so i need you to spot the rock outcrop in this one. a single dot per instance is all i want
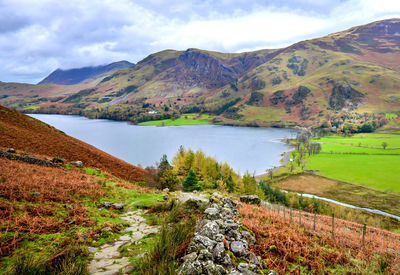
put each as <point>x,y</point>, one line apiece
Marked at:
<point>221,243</point>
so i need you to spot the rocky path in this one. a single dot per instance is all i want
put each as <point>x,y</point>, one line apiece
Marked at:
<point>107,259</point>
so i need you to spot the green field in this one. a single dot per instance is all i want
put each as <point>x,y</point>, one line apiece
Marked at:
<point>373,140</point>
<point>371,165</point>
<point>378,171</point>
<point>183,120</point>
<point>391,116</point>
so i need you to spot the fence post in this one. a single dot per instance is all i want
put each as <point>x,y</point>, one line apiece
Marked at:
<point>290,214</point>
<point>279,209</point>
<point>284,213</point>
<point>333,225</point>
<point>300,216</point>
<point>363,234</point>
<point>315,220</point>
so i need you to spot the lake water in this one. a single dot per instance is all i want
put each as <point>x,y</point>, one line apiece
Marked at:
<point>244,148</point>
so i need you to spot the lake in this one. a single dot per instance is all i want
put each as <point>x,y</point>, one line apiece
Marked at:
<point>244,148</point>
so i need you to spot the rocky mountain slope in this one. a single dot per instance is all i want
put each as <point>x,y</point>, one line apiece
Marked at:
<point>304,84</point>
<point>26,134</point>
<point>75,76</point>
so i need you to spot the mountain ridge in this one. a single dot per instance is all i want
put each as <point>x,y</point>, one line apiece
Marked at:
<point>356,70</point>
<point>77,75</point>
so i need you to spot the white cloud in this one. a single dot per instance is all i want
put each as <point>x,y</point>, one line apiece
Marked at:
<point>38,36</point>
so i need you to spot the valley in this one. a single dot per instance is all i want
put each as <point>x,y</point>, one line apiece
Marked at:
<point>306,84</point>
<point>142,168</point>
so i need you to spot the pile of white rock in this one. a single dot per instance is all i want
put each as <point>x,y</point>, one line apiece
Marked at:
<point>221,243</point>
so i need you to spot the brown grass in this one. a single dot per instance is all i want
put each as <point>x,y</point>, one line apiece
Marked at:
<point>24,212</point>
<point>316,251</point>
<point>28,134</point>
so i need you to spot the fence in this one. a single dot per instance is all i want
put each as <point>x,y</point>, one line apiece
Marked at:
<point>367,240</point>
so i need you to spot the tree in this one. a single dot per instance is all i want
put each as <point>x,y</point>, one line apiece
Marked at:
<point>169,180</point>
<point>230,184</point>
<point>384,144</point>
<point>250,184</point>
<point>163,166</point>
<point>190,183</point>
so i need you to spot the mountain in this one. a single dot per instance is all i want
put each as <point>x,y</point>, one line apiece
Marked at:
<point>75,76</point>
<point>356,71</point>
<point>27,134</point>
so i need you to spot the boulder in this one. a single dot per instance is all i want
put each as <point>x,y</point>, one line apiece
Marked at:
<point>190,268</point>
<point>238,248</point>
<point>210,229</point>
<point>219,252</point>
<point>212,213</point>
<point>207,242</point>
<point>118,206</point>
<point>77,163</point>
<point>106,204</point>
<point>250,199</point>
<point>11,151</point>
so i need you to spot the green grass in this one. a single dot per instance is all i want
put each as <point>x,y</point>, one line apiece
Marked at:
<point>373,140</point>
<point>391,116</point>
<point>378,171</point>
<point>341,148</point>
<point>183,120</point>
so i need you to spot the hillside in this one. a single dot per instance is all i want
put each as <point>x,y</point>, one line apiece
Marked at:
<point>26,134</point>
<point>75,76</point>
<point>308,83</point>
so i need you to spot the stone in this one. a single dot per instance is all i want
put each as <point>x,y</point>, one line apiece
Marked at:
<point>248,237</point>
<point>207,242</point>
<point>190,257</point>
<point>125,238</point>
<point>190,268</point>
<point>227,261</point>
<point>106,229</point>
<point>118,206</point>
<point>210,229</point>
<point>166,190</point>
<point>57,160</point>
<point>205,255</point>
<point>184,197</point>
<point>212,213</point>
<point>233,235</point>
<point>220,269</point>
<point>272,272</point>
<point>11,151</point>
<point>250,199</point>
<point>238,248</point>
<point>209,268</point>
<point>77,163</point>
<point>230,225</point>
<point>219,252</point>
<point>92,249</point>
<point>36,194</point>
<point>106,204</point>
<point>219,237</point>
<point>242,267</point>
<point>227,212</point>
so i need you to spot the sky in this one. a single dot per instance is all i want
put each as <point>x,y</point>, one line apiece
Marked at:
<point>39,36</point>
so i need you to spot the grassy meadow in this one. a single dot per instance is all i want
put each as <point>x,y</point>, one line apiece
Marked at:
<point>183,120</point>
<point>360,159</point>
